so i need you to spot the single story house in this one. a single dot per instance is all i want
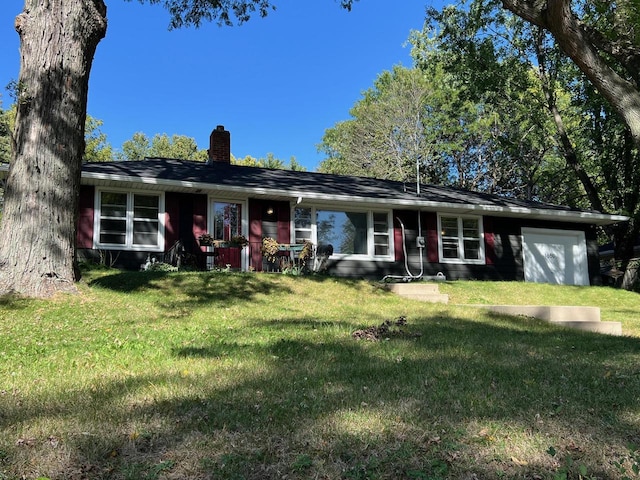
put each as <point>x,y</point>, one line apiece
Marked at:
<point>360,227</point>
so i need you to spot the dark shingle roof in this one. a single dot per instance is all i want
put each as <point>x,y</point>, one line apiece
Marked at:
<point>171,174</point>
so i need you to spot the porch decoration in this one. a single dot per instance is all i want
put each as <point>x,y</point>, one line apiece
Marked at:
<point>270,249</point>
<point>205,240</point>
<point>306,253</point>
<point>238,241</point>
<point>273,251</point>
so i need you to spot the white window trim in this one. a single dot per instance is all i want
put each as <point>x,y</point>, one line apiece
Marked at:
<point>390,257</point>
<point>128,245</point>
<point>461,259</point>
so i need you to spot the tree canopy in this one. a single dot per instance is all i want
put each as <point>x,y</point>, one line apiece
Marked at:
<point>181,147</point>
<point>270,161</point>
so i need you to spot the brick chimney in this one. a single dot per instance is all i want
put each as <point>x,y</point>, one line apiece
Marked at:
<point>220,145</point>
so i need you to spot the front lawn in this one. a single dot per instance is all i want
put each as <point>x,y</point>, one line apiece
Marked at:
<point>149,375</point>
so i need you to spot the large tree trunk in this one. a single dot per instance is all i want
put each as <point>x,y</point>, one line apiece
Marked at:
<point>58,41</point>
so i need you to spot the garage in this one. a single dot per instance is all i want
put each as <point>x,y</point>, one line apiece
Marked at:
<point>555,256</point>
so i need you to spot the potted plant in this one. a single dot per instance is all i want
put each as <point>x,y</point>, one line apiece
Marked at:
<point>205,240</point>
<point>270,249</point>
<point>239,241</point>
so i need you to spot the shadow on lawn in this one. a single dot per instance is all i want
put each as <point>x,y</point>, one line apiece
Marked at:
<point>199,288</point>
<point>13,302</point>
<point>403,408</point>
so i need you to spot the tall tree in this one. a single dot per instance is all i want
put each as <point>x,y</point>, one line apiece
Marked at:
<point>487,53</point>
<point>391,132</point>
<point>436,121</point>
<point>58,41</point>
<point>57,44</point>
<point>97,148</point>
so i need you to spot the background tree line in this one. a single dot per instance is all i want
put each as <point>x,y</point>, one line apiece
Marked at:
<point>139,146</point>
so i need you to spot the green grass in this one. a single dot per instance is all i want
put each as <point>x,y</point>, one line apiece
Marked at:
<point>254,376</point>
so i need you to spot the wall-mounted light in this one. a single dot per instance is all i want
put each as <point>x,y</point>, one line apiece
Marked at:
<point>269,210</point>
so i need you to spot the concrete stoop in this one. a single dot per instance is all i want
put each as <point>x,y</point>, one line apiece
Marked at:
<point>580,318</point>
<point>423,291</point>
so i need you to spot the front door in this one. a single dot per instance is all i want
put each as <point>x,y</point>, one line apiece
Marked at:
<point>226,224</point>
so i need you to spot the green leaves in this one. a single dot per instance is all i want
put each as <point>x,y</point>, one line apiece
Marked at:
<point>181,147</point>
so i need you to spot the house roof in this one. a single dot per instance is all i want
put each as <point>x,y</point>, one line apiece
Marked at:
<point>240,182</point>
<point>234,181</point>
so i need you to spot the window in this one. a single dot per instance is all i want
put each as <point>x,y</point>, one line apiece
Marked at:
<point>348,232</point>
<point>227,220</point>
<point>381,233</point>
<point>461,239</point>
<point>129,220</point>
<point>302,225</point>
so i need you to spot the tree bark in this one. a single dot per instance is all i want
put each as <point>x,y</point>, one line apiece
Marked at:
<point>58,40</point>
<point>556,17</point>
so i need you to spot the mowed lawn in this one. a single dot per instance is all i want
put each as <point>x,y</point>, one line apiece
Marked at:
<point>258,376</point>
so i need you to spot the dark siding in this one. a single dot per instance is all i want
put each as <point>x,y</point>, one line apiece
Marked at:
<point>171,219</point>
<point>489,241</point>
<point>503,250</point>
<point>284,222</point>
<point>595,275</point>
<point>185,220</point>
<point>431,220</point>
<point>398,253</point>
<point>84,234</point>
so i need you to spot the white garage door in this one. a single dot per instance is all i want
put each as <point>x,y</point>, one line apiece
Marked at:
<point>555,256</point>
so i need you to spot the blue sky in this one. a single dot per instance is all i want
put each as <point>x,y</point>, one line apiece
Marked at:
<point>276,83</point>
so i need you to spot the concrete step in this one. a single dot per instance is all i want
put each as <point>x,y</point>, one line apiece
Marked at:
<point>580,318</point>
<point>550,313</point>
<point>422,291</point>
<point>413,287</point>
<point>427,297</point>
<point>609,328</point>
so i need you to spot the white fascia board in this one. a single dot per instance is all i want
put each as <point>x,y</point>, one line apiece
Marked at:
<point>447,207</point>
